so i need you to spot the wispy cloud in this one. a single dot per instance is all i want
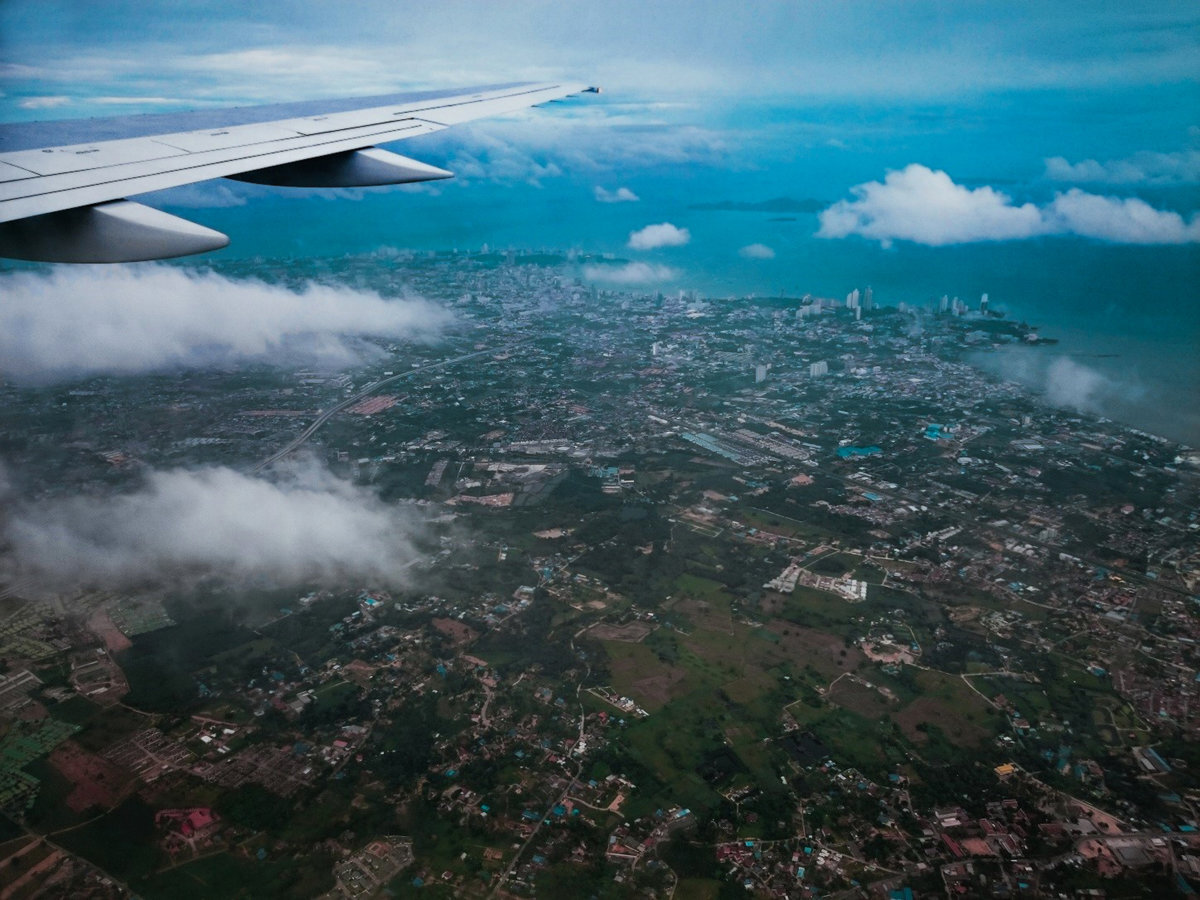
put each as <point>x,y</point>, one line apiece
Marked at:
<point>1068,383</point>
<point>620,195</point>
<point>630,273</point>
<point>588,138</point>
<point>142,101</point>
<point>44,102</point>
<point>1182,167</point>
<point>203,195</point>
<point>756,251</point>
<point>662,235</point>
<point>925,206</point>
<point>302,525</point>
<point>127,319</point>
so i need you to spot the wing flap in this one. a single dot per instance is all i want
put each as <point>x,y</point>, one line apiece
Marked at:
<point>225,138</point>
<point>85,157</point>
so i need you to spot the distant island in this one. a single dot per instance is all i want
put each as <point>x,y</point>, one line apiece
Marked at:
<point>775,205</point>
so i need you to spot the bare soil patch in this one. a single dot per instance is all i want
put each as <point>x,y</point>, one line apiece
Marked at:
<point>631,633</point>
<point>827,653</point>
<point>859,698</point>
<point>656,690</point>
<point>101,625</point>
<point>97,782</point>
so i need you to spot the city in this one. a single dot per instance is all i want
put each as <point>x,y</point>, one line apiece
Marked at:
<point>684,597</point>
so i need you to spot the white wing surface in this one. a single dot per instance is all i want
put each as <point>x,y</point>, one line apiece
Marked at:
<point>66,202</point>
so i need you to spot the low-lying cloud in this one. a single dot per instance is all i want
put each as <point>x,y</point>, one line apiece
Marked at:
<point>662,235</point>
<point>925,206</point>
<point>630,273</point>
<point>1066,382</point>
<point>756,251</point>
<point>302,526</point>
<point>85,320</point>
<point>620,195</point>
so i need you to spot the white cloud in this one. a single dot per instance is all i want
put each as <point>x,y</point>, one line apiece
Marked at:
<point>921,205</point>
<point>124,319</point>
<point>620,195</point>
<point>631,273</point>
<point>1127,221</point>
<point>662,235</point>
<point>757,251</point>
<point>1140,168</point>
<point>301,526</point>
<point>47,102</point>
<point>925,206</point>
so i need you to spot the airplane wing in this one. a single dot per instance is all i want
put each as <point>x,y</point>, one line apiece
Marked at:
<point>63,184</point>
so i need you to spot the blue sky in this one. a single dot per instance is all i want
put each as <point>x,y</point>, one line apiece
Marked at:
<point>1046,152</point>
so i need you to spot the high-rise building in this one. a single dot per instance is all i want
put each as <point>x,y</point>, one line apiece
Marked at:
<point>983,304</point>
<point>944,304</point>
<point>815,370</point>
<point>852,299</point>
<point>760,374</point>
<point>868,302</point>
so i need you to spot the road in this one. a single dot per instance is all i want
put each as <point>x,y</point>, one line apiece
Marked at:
<point>562,798</point>
<point>370,389</point>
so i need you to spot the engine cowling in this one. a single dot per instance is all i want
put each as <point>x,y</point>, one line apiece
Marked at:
<point>117,231</point>
<point>353,168</point>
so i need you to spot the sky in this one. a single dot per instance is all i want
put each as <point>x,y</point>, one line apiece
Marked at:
<point>1045,153</point>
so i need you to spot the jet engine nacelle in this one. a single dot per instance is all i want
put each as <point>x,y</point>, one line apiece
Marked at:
<point>117,231</point>
<point>353,168</point>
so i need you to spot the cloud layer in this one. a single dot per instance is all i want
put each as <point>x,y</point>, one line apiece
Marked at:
<point>244,52</point>
<point>662,235</point>
<point>631,273</point>
<point>925,206</point>
<point>85,320</point>
<point>304,526</point>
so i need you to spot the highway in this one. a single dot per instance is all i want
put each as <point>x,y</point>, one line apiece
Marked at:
<point>370,389</point>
